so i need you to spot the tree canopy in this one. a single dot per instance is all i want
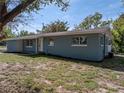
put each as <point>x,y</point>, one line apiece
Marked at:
<point>57,26</point>
<point>118,34</point>
<point>9,9</point>
<point>94,21</point>
<point>24,33</point>
<point>7,33</point>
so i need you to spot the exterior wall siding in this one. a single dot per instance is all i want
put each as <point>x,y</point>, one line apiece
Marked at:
<point>105,51</point>
<point>106,45</point>
<point>14,46</point>
<point>63,47</point>
<point>29,49</point>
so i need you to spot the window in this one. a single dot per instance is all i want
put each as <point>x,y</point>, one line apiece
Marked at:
<point>79,41</point>
<point>51,42</point>
<point>29,43</point>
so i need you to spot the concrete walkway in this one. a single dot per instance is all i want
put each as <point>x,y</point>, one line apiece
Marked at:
<point>119,55</point>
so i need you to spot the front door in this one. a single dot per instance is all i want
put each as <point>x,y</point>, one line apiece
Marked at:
<point>40,45</point>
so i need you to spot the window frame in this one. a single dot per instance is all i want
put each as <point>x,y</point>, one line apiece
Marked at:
<point>29,43</point>
<point>51,42</point>
<point>79,42</point>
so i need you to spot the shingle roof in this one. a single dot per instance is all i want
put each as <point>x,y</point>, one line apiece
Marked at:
<point>67,33</point>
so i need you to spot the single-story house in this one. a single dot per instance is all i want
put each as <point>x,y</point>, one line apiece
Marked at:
<point>93,44</point>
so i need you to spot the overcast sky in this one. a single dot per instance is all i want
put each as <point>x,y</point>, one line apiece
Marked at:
<point>77,11</point>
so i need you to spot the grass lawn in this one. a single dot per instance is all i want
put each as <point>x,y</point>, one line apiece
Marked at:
<point>48,74</point>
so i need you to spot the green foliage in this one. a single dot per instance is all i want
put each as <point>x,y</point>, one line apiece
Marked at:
<point>90,84</point>
<point>8,33</point>
<point>122,83</point>
<point>118,34</point>
<point>115,41</point>
<point>34,7</point>
<point>42,3</point>
<point>57,26</point>
<point>47,74</point>
<point>38,4</point>
<point>94,21</point>
<point>112,90</point>
<point>24,33</point>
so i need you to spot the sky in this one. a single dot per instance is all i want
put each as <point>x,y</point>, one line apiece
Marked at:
<point>76,12</point>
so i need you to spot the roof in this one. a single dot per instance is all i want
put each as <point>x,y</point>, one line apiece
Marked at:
<point>67,33</point>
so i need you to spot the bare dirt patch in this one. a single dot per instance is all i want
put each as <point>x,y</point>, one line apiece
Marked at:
<point>44,74</point>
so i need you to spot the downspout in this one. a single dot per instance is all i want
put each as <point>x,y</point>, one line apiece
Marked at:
<point>36,46</point>
<point>22,46</point>
<point>104,47</point>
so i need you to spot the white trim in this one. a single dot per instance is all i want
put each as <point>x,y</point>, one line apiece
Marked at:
<point>109,48</point>
<point>41,44</point>
<point>101,36</point>
<point>29,46</point>
<point>51,43</point>
<point>79,45</point>
<point>29,43</point>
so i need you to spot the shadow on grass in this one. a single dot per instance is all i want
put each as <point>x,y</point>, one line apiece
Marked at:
<point>116,63</point>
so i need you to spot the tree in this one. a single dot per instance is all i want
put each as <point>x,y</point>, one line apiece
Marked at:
<point>24,33</point>
<point>10,9</point>
<point>57,26</point>
<point>7,33</point>
<point>118,34</point>
<point>31,33</point>
<point>94,21</point>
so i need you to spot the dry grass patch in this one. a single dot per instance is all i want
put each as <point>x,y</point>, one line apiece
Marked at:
<point>48,74</point>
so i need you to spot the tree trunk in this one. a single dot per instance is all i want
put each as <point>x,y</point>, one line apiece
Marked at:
<point>3,12</point>
<point>17,10</point>
<point>1,27</point>
<point>7,17</point>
